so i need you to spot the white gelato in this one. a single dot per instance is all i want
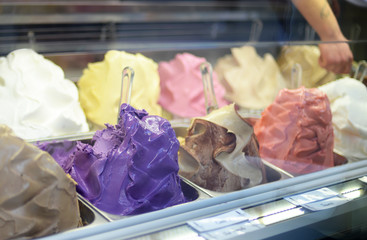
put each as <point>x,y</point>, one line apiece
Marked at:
<point>348,101</point>
<point>36,100</point>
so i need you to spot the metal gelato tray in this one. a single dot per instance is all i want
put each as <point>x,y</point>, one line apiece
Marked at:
<point>272,172</point>
<point>90,214</point>
<point>190,192</point>
<point>87,136</point>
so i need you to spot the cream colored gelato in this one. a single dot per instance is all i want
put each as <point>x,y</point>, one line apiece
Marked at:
<point>100,86</point>
<point>348,100</point>
<point>308,58</point>
<point>36,100</point>
<point>251,81</point>
<point>36,197</point>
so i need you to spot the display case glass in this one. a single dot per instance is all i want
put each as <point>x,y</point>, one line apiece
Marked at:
<point>267,143</point>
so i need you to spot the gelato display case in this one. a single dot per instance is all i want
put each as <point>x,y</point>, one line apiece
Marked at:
<point>180,120</point>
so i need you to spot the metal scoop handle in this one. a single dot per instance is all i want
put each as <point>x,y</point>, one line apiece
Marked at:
<point>256,29</point>
<point>362,67</point>
<point>296,76</point>
<point>126,87</point>
<point>207,77</point>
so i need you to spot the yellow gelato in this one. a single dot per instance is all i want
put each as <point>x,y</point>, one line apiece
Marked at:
<point>308,57</point>
<point>100,86</point>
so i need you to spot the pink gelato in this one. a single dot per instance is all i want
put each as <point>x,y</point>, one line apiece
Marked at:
<point>182,87</point>
<point>295,132</point>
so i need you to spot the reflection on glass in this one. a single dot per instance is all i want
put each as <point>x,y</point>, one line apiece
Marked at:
<point>352,193</point>
<point>278,217</point>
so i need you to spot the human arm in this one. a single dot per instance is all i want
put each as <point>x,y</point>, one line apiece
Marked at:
<point>336,57</point>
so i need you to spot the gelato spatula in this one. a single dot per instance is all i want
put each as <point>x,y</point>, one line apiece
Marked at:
<point>207,77</point>
<point>126,87</point>
<point>361,71</point>
<point>296,76</point>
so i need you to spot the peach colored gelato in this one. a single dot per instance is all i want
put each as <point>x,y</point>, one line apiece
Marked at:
<point>295,132</point>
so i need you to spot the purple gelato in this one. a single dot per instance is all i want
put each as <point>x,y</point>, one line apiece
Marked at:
<point>131,168</point>
<point>60,151</point>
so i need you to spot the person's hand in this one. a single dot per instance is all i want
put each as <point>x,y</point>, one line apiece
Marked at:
<point>335,54</point>
<point>336,57</point>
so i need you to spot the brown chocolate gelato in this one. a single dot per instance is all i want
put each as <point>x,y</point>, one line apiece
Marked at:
<point>220,152</point>
<point>37,198</point>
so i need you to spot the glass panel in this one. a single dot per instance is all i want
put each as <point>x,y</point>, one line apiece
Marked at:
<point>257,50</point>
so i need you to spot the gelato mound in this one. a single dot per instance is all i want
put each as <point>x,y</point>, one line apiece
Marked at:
<point>220,152</point>
<point>295,132</point>
<point>37,198</point>
<point>131,167</point>
<point>252,82</point>
<point>308,57</point>
<point>180,94</point>
<point>36,100</point>
<point>348,98</point>
<point>100,86</point>
<point>60,151</point>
